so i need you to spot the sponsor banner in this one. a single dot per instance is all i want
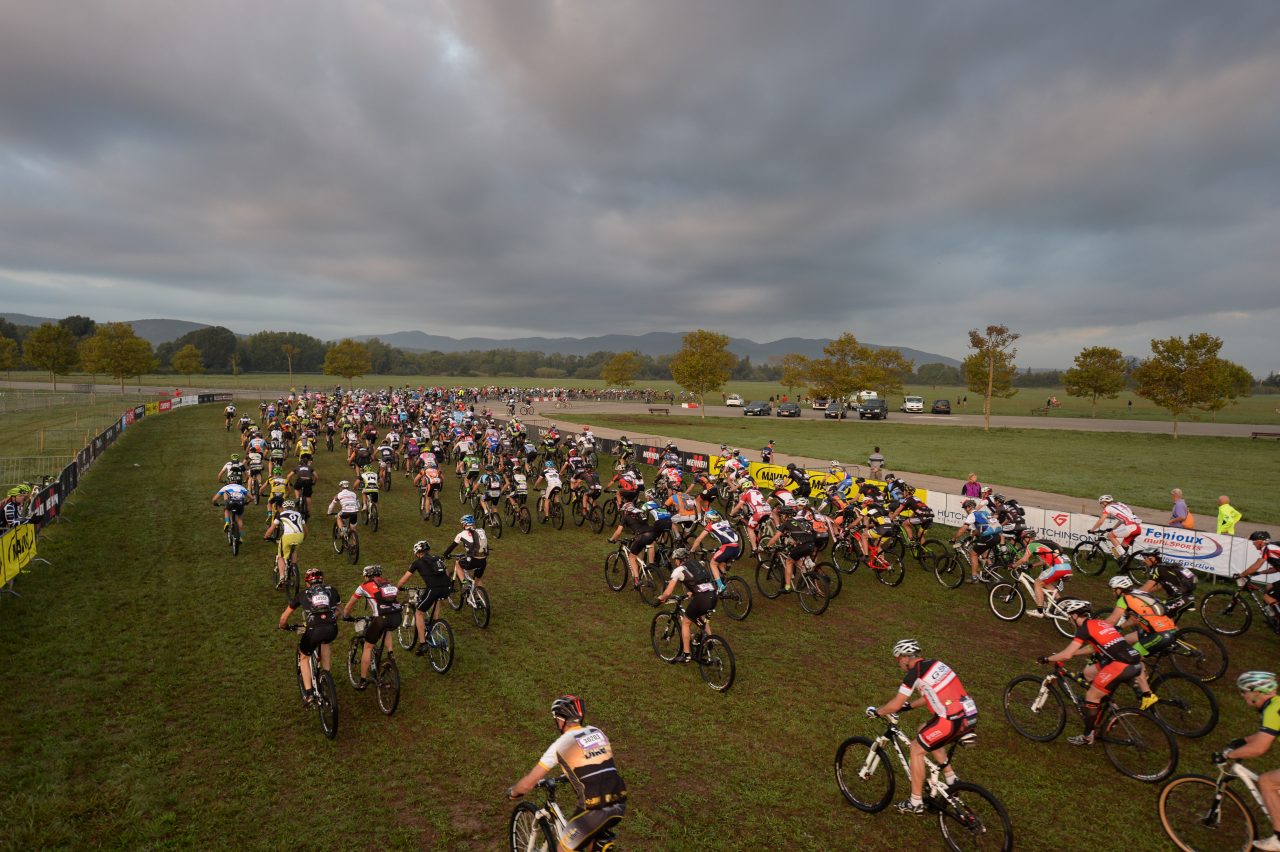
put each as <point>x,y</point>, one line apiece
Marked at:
<point>164,405</point>
<point>1201,551</point>
<point>69,479</point>
<point>44,507</point>
<point>213,397</point>
<point>152,408</point>
<point>129,416</point>
<point>697,462</point>
<point>139,412</point>
<point>650,455</point>
<point>17,549</point>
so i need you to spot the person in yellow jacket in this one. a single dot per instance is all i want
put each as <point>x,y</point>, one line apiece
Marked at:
<point>1228,516</point>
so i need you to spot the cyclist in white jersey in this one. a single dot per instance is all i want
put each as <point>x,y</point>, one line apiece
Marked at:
<point>1125,525</point>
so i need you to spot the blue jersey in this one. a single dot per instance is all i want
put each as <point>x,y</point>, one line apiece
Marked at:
<point>982,524</point>
<point>234,493</point>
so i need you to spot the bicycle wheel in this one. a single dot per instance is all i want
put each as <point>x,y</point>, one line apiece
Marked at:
<point>234,535</point>
<point>664,634</point>
<point>528,833</point>
<point>610,511</point>
<point>949,571</point>
<point>353,661</point>
<point>596,520</point>
<point>1034,710</point>
<point>353,547</point>
<point>1060,620</point>
<point>407,632</point>
<point>388,681</point>
<point>1195,818</point>
<point>1006,602</point>
<point>769,577</point>
<point>338,543</point>
<point>455,595</point>
<point>715,663</point>
<point>292,580</point>
<point>864,774</point>
<point>440,646</point>
<point>970,817</point>
<point>1139,746</point>
<point>328,700</point>
<point>1090,557</point>
<point>1186,705</point>
<point>493,523</point>
<point>615,571</point>
<point>373,517</point>
<point>1198,653</point>
<point>557,515</point>
<point>650,585</point>
<point>814,593</point>
<point>523,520</point>
<point>437,512</point>
<point>834,583</point>
<point>1225,612</point>
<point>931,553</point>
<point>480,608</point>
<point>736,598</point>
<point>576,511</point>
<point>892,572</point>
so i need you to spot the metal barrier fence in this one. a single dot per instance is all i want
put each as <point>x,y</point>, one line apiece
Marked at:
<point>13,401</point>
<point>15,470</point>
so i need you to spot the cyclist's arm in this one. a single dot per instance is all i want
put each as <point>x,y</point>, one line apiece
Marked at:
<point>960,533</point>
<point>408,575</point>
<point>1075,647</point>
<point>1255,567</point>
<point>697,541</point>
<point>527,783</point>
<point>1117,616</point>
<point>1255,745</point>
<point>284,616</point>
<point>671,587</point>
<point>895,704</point>
<point>346,610</point>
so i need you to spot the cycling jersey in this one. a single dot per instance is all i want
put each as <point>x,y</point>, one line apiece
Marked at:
<point>1148,611</point>
<point>1106,641</point>
<point>553,480</point>
<point>1122,514</point>
<point>694,576</point>
<point>940,688</point>
<point>491,484</point>
<point>234,494</point>
<point>278,485</point>
<point>347,501</point>
<point>369,483</point>
<point>433,571</point>
<point>291,522</point>
<point>474,542</point>
<point>585,756</point>
<point>380,595</point>
<point>519,483</point>
<point>1270,713</point>
<point>255,462</point>
<point>1271,553</point>
<point>982,524</point>
<point>798,530</point>
<point>1175,579</point>
<point>317,603</point>
<point>233,471</point>
<point>304,474</point>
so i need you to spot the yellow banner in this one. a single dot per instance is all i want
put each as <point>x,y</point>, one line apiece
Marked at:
<point>17,548</point>
<point>770,475</point>
<point>153,408</point>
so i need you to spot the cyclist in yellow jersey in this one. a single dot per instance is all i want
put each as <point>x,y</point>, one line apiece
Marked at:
<point>276,485</point>
<point>304,447</point>
<point>1258,689</point>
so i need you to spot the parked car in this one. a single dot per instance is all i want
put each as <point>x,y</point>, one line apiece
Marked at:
<point>821,403</point>
<point>836,410</point>
<point>941,406</point>
<point>734,401</point>
<point>788,409</point>
<point>873,409</point>
<point>912,404</point>
<point>757,409</point>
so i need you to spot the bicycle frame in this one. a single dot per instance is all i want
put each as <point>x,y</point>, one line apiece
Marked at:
<point>1248,777</point>
<point>894,737</point>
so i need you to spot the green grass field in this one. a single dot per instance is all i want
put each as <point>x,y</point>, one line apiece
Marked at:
<point>1140,468</point>
<point>151,703</point>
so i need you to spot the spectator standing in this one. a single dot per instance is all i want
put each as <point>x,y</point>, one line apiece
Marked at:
<point>766,453</point>
<point>876,462</point>
<point>972,487</point>
<point>1179,516</point>
<point>1228,516</point>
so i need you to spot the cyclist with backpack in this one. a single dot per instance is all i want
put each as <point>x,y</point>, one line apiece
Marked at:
<point>699,583</point>
<point>380,596</point>
<point>985,531</point>
<point>435,574</point>
<point>317,602</point>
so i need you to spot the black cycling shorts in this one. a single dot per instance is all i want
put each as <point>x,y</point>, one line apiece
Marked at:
<point>235,508</point>
<point>802,549</point>
<point>425,601</point>
<point>304,488</point>
<point>380,624</point>
<point>474,564</point>
<point>982,545</point>
<point>642,541</point>
<point>317,633</point>
<point>699,605</point>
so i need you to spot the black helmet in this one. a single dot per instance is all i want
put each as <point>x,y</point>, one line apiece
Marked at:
<point>571,708</point>
<point>1259,535</point>
<point>997,498</point>
<point>791,466</point>
<point>968,504</point>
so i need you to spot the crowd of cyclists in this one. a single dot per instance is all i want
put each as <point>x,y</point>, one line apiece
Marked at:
<point>784,525</point>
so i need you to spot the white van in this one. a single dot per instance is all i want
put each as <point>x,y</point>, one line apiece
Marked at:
<point>913,405</point>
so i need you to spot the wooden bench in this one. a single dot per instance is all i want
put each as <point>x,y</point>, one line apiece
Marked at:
<point>1265,435</point>
<point>1043,411</point>
<point>659,410</point>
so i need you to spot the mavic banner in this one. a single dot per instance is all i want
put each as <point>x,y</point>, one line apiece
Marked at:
<point>17,549</point>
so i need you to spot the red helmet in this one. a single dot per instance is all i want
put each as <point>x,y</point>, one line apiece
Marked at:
<point>314,575</point>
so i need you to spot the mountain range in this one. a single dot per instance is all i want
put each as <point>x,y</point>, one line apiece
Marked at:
<point>157,331</point>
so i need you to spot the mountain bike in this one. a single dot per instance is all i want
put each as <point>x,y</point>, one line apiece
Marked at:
<point>735,597</point>
<point>385,673</point>
<point>1187,707</point>
<point>475,598</point>
<point>1199,812</point>
<point>517,516</point>
<point>324,696</point>
<point>384,475</point>
<point>711,652</point>
<point>233,535</point>
<point>537,827</point>
<point>1228,612</point>
<point>969,816</point>
<point>1194,652</point>
<point>371,515</point>
<point>555,513</point>
<point>491,519</point>
<point>435,514</point>
<point>346,539</point>
<point>292,576</point>
<point>617,569</point>
<point>1096,554</point>
<point>527,409</point>
<point>927,552</point>
<point>439,642</point>
<point>887,567</point>
<point>811,581</point>
<point>1138,744</point>
<point>1008,601</point>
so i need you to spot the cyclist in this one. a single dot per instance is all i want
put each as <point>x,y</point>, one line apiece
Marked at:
<point>876,522</point>
<point>491,485</point>
<point>275,488</point>
<point>730,545</point>
<point>228,413</point>
<point>1155,630</point>
<point>632,518</point>
<point>918,517</point>
<point>800,477</point>
<point>381,599</point>
<point>1267,564</point>
<point>584,755</point>
<point>1119,662</point>
<point>234,497</point>
<point>368,487</point>
<point>518,488</point>
<point>954,715</point>
<point>429,481</point>
<point>232,470</point>
<point>475,551</point>
<point>986,532</point>
<point>626,450</point>
<point>317,602</point>
<point>1177,581</point>
<point>708,492</point>
<point>435,574</point>
<point>293,530</point>
<point>304,481</point>
<point>628,484</point>
<point>1055,567</point>
<point>1258,690</point>
<point>800,537</point>
<point>697,581</point>
<point>1125,526</point>
<point>346,504</point>
<point>684,511</point>
<point>254,462</point>
<point>551,477</point>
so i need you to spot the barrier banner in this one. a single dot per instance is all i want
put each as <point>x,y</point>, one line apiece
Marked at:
<point>697,462</point>
<point>650,455</point>
<point>17,549</point>
<point>139,412</point>
<point>164,405</point>
<point>69,479</point>
<point>152,408</point>
<point>129,416</point>
<point>44,507</point>
<point>213,397</point>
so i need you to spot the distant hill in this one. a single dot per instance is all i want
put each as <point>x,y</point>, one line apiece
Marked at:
<point>654,343</point>
<point>154,331</point>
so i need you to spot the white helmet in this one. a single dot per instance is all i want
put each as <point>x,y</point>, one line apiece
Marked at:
<point>344,484</point>
<point>1121,581</point>
<point>1256,681</point>
<point>907,648</point>
<point>1106,498</point>
<point>1075,606</point>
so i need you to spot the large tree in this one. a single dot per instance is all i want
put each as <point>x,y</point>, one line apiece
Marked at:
<point>621,369</point>
<point>348,358</point>
<point>188,361</point>
<point>703,364</point>
<point>795,372</point>
<point>8,354</point>
<point>937,373</point>
<point>989,369</point>
<point>852,366</point>
<point>121,352</point>
<point>1183,375</point>
<point>82,327</point>
<point>51,347</point>
<point>1099,371</point>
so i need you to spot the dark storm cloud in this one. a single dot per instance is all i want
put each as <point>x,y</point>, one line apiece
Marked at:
<point>1083,171</point>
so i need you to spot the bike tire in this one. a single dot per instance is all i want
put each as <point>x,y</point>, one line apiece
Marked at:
<point>557,515</point>
<point>715,663</point>
<point>610,512</point>
<point>437,512</point>
<point>949,572</point>
<point>815,598</point>
<point>481,609</point>
<point>455,595</point>
<point>873,793</point>
<point>524,520</point>
<point>596,519</point>
<point>834,582</point>
<point>388,685</point>
<point>1198,653</point>
<point>575,509</point>
<point>1043,724</point>
<point>650,586</point>
<point>1226,613</point>
<point>235,540</point>
<point>932,553</point>
<point>844,555</point>
<point>615,571</point>
<point>527,832</point>
<point>1006,602</point>
<point>1061,621</point>
<point>769,577</point>
<point>894,573</point>
<point>664,635</point>
<point>292,580</point>
<point>407,632</point>
<point>1186,706</point>
<point>353,548</point>
<point>1139,745</point>
<point>971,817</point>
<point>1090,557</point>
<point>328,704</point>
<point>1186,801</point>
<point>440,648</point>
<point>353,661</point>
<point>736,598</point>
<point>493,523</point>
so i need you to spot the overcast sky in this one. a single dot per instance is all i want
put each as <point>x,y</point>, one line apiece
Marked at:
<point>1086,172</point>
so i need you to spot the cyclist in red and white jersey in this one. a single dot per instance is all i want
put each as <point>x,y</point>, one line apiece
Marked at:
<point>954,714</point>
<point>1267,566</point>
<point>753,505</point>
<point>1055,567</point>
<point>1125,525</point>
<point>730,547</point>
